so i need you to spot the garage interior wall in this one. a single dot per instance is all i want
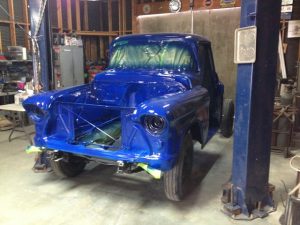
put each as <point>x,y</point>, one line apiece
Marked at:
<point>217,25</point>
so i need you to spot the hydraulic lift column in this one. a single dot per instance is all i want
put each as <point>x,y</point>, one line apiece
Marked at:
<point>43,59</point>
<point>249,194</point>
<point>44,40</point>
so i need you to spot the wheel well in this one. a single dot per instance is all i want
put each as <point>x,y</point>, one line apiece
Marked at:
<point>196,131</point>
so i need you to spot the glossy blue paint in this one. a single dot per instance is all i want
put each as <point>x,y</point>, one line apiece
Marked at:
<point>254,106</point>
<point>129,95</point>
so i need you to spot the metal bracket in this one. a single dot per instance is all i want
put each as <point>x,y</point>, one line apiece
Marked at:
<point>233,210</point>
<point>42,163</point>
<point>120,168</point>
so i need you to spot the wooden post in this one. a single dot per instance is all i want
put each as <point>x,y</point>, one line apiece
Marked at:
<point>69,15</point>
<point>109,19</point>
<point>25,13</point>
<point>12,24</point>
<point>59,16</point>
<point>85,16</point>
<point>78,22</point>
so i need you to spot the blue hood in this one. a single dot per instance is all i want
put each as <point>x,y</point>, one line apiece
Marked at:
<point>126,88</point>
<point>143,77</point>
<point>116,88</point>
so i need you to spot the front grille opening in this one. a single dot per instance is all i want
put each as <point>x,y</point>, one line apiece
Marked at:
<point>107,136</point>
<point>93,126</point>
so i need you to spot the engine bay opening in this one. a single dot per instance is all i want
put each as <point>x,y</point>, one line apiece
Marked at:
<point>107,136</point>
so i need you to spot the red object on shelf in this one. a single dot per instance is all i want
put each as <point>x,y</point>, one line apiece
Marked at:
<point>21,85</point>
<point>2,57</point>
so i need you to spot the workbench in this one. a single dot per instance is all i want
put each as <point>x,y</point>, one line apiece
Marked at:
<point>17,117</point>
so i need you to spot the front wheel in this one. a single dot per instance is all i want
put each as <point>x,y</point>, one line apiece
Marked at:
<point>68,166</point>
<point>176,179</point>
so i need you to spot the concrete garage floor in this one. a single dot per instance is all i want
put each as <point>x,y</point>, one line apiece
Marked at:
<point>99,196</point>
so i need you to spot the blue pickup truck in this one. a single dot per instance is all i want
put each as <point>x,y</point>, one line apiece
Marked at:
<point>158,95</point>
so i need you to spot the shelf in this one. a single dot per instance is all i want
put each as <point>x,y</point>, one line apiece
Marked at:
<point>96,33</point>
<point>15,61</point>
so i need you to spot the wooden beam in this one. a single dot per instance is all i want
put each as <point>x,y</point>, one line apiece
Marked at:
<point>109,18</point>
<point>85,16</point>
<point>12,25</point>
<point>78,21</point>
<point>9,22</point>
<point>59,15</point>
<point>69,15</point>
<point>26,20</point>
<point>5,21</point>
<point>97,33</point>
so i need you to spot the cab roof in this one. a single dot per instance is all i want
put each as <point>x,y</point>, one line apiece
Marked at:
<point>162,36</point>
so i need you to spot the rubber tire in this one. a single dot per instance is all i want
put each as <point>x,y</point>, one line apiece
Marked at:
<point>175,184</point>
<point>71,168</point>
<point>227,118</point>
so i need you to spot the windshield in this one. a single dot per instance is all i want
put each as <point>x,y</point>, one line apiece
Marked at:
<point>154,55</point>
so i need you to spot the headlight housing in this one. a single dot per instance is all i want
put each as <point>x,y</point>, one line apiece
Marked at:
<point>154,124</point>
<point>35,113</point>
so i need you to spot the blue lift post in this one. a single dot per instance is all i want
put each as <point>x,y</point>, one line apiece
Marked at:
<point>249,194</point>
<point>44,39</point>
